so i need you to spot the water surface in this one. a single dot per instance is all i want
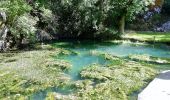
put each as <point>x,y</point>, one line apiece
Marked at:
<point>85,58</point>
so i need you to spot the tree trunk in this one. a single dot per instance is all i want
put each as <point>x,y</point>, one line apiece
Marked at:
<point>20,45</point>
<point>122,25</point>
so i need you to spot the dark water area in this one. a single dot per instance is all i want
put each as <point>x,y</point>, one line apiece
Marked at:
<point>41,95</point>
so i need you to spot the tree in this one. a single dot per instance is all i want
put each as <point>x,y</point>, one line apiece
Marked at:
<point>14,9</point>
<point>127,10</point>
<point>81,17</point>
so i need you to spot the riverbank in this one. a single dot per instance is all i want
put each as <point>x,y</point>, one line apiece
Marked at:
<point>151,37</point>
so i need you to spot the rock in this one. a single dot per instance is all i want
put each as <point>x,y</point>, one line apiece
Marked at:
<point>164,28</point>
<point>158,89</point>
<point>3,31</point>
<point>3,16</point>
<point>2,45</point>
<point>43,35</point>
<point>6,39</point>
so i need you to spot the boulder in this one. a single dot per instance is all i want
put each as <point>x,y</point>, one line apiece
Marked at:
<point>158,89</point>
<point>42,35</point>
<point>164,28</point>
<point>3,16</point>
<point>2,45</point>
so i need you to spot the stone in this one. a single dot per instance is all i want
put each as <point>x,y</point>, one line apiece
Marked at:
<point>43,35</point>
<point>158,89</point>
<point>3,16</point>
<point>164,28</point>
<point>2,45</point>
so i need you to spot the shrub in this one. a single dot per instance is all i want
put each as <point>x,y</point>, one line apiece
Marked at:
<point>25,25</point>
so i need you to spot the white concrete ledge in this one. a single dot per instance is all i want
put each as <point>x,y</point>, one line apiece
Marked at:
<point>158,89</point>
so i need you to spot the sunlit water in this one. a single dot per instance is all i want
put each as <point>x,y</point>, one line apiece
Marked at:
<point>84,57</point>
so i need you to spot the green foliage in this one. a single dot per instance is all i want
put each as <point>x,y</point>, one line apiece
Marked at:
<point>18,20</point>
<point>47,14</point>
<point>80,17</point>
<point>25,73</point>
<point>25,25</point>
<point>128,8</point>
<point>71,18</point>
<point>90,17</point>
<point>115,83</point>
<point>14,9</point>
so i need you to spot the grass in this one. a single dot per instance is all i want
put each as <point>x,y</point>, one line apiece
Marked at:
<point>161,37</point>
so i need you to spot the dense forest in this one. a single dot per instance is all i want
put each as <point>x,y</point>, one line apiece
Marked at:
<point>84,49</point>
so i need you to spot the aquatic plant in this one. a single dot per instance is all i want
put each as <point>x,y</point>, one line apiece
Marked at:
<point>115,83</point>
<point>149,59</point>
<point>24,73</point>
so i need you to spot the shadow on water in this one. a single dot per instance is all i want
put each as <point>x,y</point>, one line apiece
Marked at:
<point>85,58</point>
<point>41,95</point>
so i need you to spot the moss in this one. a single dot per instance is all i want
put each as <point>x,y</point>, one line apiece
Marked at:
<point>126,41</point>
<point>149,59</point>
<point>57,96</point>
<point>82,84</point>
<point>50,96</point>
<point>115,83</point>
<point>113,60</point>
<point>26,72</point>
<point>96,73</point>
<point>58,64</point>
<point>67,52</point>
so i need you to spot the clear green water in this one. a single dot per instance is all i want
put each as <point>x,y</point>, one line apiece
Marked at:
<point>81,60</point>
<point>85,58</point>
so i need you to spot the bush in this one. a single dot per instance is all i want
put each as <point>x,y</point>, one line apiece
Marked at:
<point>14,9</point>
<point>80,18</point>
<point>25,25</point>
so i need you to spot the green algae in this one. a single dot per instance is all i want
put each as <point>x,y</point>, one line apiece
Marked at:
<point>109,82</point>
<point>115,80</point>
<point>29,73</point>
<point>116,83</point>
<point>149,59</point>
<point>24,73</point>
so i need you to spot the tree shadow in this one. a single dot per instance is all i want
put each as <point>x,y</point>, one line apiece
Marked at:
<point>164,75</point>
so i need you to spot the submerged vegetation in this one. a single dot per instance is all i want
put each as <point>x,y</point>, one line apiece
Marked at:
<point>116,80</point>
<point>34,66</point>
<point>26,73</point>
